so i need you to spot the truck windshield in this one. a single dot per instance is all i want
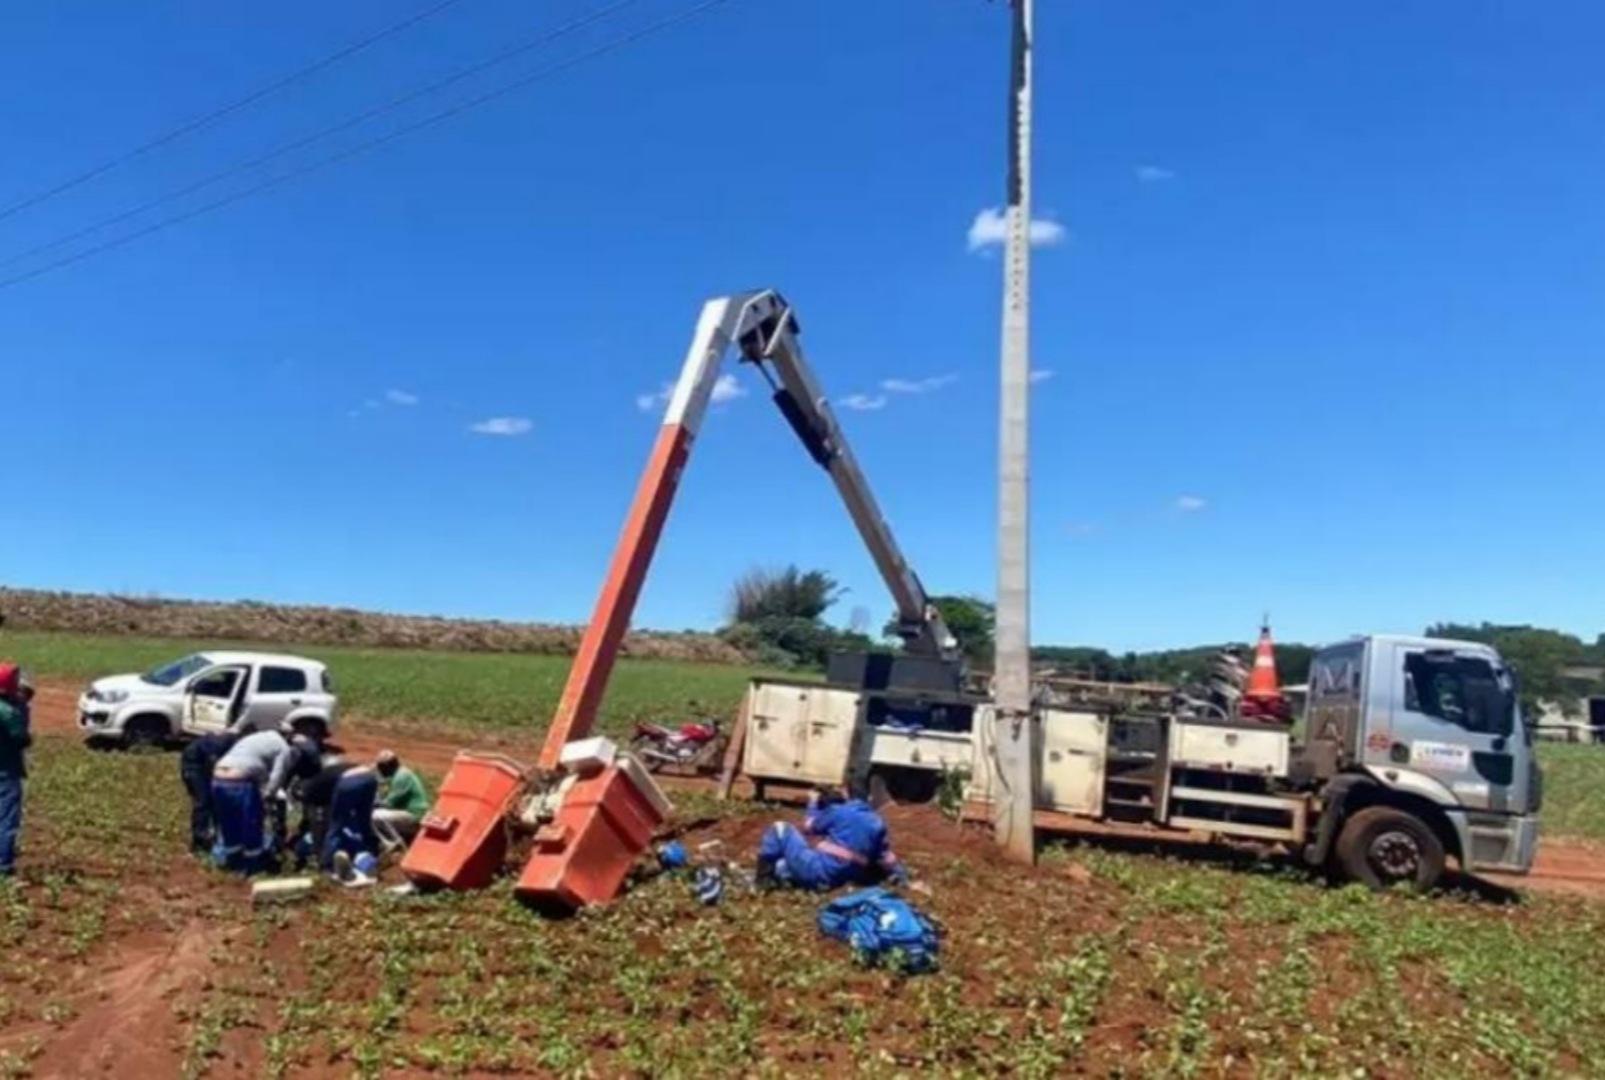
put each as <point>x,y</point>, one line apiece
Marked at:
<point>171,674</point>
<point>1466,691</point>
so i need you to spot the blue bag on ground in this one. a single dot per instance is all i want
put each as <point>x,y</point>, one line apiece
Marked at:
<point>883,928</point>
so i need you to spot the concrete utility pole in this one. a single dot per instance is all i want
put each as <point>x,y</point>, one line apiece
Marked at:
<point>1013,733</point>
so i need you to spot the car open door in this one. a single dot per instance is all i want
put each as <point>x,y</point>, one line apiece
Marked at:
<point>209,699</point>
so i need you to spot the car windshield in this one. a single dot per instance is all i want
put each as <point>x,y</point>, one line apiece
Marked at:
<point>170,674</point>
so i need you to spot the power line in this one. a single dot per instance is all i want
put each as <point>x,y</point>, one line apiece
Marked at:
<point>232,107</point>
<point>355,120</point>
<point>604,49</point>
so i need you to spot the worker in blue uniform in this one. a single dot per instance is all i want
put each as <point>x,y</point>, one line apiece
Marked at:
<point>849,846</point>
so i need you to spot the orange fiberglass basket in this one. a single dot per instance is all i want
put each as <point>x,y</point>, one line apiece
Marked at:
<point>583,855</point>
<point>462,841</point>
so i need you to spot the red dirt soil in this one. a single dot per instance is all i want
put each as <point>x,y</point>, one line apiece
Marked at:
<point>1563,865</point>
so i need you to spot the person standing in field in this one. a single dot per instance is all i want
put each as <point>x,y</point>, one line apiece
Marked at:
<point>15,695</point>
<point>195,767</point>
<point>403,805</point>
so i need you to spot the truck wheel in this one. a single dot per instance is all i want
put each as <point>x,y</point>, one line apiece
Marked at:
<point>1382,847</point>
<point>145,733</point>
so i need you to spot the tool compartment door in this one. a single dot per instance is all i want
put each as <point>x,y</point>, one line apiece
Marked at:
<point>828,742</point>
<point>1070,761</point>
<point>777,729</point>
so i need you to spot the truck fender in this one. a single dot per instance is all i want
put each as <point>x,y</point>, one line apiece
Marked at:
<point>1413,783</point>
<point>1410,791</point>
<point>1335,797</point>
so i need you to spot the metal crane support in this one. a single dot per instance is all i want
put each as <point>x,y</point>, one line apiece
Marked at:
<point>764,329</point>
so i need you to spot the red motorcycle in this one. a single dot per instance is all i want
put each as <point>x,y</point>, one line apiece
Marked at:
<point>695,747</point>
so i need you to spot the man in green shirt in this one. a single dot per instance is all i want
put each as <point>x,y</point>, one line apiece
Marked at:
<point>403,804</point>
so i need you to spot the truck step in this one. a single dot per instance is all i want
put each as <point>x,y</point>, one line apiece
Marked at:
<point>1144,803</point>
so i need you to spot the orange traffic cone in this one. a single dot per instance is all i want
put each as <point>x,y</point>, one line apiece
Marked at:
<point>1262,681</point>
<point>1263,698</point>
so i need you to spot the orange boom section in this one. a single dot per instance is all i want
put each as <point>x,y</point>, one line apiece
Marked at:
<point>599,649</point>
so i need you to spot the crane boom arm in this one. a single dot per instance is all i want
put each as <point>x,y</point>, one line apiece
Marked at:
<point>763,328</point>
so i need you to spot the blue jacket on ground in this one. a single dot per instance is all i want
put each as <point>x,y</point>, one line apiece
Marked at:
<point>852,847</point>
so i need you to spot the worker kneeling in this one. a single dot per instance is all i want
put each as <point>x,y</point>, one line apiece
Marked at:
<point>852,847</point>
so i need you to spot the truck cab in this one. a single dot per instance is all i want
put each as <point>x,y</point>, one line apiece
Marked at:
<point>1425,738</point>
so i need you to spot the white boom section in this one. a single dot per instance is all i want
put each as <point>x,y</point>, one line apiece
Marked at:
<point>765,329</point>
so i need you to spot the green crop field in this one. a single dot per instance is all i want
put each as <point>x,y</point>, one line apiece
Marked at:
<point>1100,962</point>
<point>489,690</point>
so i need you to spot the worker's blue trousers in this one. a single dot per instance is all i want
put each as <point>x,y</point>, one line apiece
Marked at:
<point>242,841</point>
<point>796,863</point>
<point>351,816</point>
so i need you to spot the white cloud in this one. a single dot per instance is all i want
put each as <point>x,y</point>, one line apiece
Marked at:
<point>400,397</point>
<point>990,227</point>
<point>649,402</point>
<point>726,388</point>
<point>1153,174</point>
<point>503,425</point>
<point>1191,504</point>
<point>1041,374</point>
<point>863,402</point>
<point>917,386</point>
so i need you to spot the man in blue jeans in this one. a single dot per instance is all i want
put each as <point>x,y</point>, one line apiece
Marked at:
<point>15,694</point>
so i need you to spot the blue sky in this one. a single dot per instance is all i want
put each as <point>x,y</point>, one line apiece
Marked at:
<point>1320,295</point>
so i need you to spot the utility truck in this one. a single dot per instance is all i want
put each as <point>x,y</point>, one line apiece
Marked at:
<point>1409,751</point>
<point>1413,750</point>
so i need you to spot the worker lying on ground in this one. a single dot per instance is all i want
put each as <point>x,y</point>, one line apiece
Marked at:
<point>254,771</point>
<point>195,766</point>
<point>404,805</point>
<point>852,848</point>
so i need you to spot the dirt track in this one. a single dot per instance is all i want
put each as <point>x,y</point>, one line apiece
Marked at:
<point>1564,865</point>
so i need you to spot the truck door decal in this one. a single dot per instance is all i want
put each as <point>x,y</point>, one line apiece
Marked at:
<point>1447,757</point>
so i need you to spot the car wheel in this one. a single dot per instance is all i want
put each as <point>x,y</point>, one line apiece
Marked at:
<point>145,733</point>
<point>311,727</point>
<point>1381,847</point>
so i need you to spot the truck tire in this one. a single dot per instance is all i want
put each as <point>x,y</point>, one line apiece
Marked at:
<point>146,732</point>
<point>1382,846</point>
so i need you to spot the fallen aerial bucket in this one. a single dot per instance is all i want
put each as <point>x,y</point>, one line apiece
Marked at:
<point>583,855</point>
<point>462,842</point>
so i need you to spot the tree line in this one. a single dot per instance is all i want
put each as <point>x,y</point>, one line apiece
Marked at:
<point>778,617</point>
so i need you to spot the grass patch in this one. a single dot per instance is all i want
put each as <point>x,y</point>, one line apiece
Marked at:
<point>483,690</point>
<point>1574,789</point>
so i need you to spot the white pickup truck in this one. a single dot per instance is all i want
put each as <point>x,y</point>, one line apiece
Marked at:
<point>206,692</point>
